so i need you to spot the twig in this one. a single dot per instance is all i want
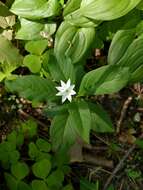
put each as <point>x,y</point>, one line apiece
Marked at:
<point>120,164</point>
<point>123,113</point>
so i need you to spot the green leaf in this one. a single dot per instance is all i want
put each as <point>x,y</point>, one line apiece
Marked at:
<point>33,88</point>
<point>39,185</point>
<point>43,145</point>
<point>122,52</point>
<point>32,30</point>
<point>20,170</point>
<point>101,10</point>
<point>10,58</point>
<point>36,47</point>
<point>35,9</point>
<point>33,151</point>
<point>23,186</point>
<point>71,6</point>
<point>14,157</point>
<point>29,128</point>
<point>73,42</point>
<point>55,179</point>
<point>119,45</point>
<point>41,168</point>
<point>33,62</point>
<point>100,120</point>
<point>58,70</point>
<point>66,127</point>
<point>11,181</point>
<point>104,80</point>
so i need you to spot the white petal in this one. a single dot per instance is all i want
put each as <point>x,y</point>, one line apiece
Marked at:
<point>64,97</point>
<point>59,88</point>
<point>68,83</point>
<point>63,84</point>
<point>59,94</point>
<point>69,97</point>
<point>72,92</point>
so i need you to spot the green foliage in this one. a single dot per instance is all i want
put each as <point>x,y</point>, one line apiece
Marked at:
<point>66,127</point>
<point>73,42</point>
<point>10,58</point>
<point>57,40</point>
<point>104,80</point>
<point>35,9</point>
<point>33,87</point>
<point>19,170</point>
<point>41,168</point>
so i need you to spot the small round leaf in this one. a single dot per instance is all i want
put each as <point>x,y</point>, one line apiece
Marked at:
<point>20,170</point>
<point>42,168</point>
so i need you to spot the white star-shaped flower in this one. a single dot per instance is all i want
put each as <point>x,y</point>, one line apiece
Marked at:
<point>66,91</point>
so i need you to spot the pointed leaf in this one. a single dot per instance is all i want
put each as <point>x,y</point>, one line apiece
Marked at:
<point>73,42</point>
<point>104,80</point>
<point>101,10</point>
<point>35,9</point>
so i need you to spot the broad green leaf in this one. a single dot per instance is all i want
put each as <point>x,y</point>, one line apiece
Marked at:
<point>41,168</point>
<point>73,42</point>
<point>10,58</point>
<point>33,62</point>
<point>35,9</point>
<point>66,127</point>
<point>23,186</point>
<point>20,170</point>
<point>39,185</point>
<point>29,30</point>
<point>77,19</point>
<point>122,52</point>
<point>62,70</point>
<point>43,145</point>
<point>32,30</point>
<point>9,53</point>
<point>101,10</point>
<point>36,47</point>
<point>33,88</point>
<point>100,120</point>
<point>104,80</point>
<point>10,181</point>
<point>62,131</point>
<point>119,45</point>
<point>81,119</point>
<point>71,6</point>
